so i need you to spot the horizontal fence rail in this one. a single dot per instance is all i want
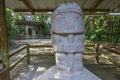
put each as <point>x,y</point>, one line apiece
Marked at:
<point>17,51</point>
<point>28,55</point>
<point>112,49</point>
<point>28,52</point>
<point>14,53</point>
<point>40,46</point>
<point>17,62</point>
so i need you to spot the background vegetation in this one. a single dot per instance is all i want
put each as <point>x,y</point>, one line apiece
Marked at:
<point>103,28</point>
<point>98,28</point>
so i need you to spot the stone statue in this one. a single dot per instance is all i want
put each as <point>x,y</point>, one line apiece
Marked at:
<point>68,38</point>
<point>68,45</point>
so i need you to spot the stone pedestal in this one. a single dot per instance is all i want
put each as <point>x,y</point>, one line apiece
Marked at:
<point>68,45</point>
<point>51,74</point>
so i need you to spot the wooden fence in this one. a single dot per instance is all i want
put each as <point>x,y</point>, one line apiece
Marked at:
<point>4,72</point>
<point>28,55</point>
<point>14,53</point>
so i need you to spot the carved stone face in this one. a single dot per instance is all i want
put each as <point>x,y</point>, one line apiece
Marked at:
<point>78,65</point>
<point>68,38</point>
<point>68,22</point>
<point>71,43</point>
<point>61,61</point>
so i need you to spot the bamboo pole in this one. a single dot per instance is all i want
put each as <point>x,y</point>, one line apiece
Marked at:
<point>3,35</point>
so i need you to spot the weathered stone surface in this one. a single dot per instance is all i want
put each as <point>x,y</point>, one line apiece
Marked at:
<point>69,62</point>
<point>78,65</point>
<point>51,74</point>
<point>68,19</point>
<point>68,45</point>
<point>61,61</point>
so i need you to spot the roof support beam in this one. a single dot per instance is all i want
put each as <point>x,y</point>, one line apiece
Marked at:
<point>27,5</point>
<point>97,5</point>
<point>84,3</point>
<point>3,41</point>
<point>36,10</point>
<point>51,10</point>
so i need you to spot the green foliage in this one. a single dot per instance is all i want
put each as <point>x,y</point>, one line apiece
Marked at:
<point>47,25</point>
<point>11,29</point>
<point>99,28</point>
<point>20,29</point>
<point>10,23</point>
<point>103,28</point>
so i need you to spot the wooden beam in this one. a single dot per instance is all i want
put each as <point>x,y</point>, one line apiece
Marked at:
<point>16,51</point>
<point>96,10</point>
<point>51,10</point>
<point>17,62</point>
<point>97,5</point>
<point>35,10</point>
<point>3,35</point>
<point>28,53</point>
<point>3,74</point>
<point>4,43</point>
<point>84,3</point>
<point>27,5</point>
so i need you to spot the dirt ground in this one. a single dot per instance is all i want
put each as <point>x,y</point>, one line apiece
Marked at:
<point>106,70</point>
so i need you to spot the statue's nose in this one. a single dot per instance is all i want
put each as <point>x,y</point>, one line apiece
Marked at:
<point>70,38</point>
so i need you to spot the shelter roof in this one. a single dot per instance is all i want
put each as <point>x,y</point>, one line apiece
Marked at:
<point>88,6</point>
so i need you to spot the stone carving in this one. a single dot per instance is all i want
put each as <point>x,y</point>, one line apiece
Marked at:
<point>68,45</point>
<point>68,19</point>
<point>68,38</point>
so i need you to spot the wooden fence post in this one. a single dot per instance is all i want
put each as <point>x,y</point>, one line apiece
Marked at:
<point>4,74</point>
<point>28,53</point>
<point>4,43</point>
<point>97,52</point>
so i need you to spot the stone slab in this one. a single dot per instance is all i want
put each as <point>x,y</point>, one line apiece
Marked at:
<point>50,74</point>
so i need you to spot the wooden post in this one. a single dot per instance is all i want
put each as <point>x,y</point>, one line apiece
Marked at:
<point>4,43</point>
<point>28,53</point>
<point>3,74</point>
<point>97,52</point>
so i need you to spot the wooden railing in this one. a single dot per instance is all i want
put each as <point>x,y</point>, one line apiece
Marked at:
<point>28,54</point>
<point>114,50</point>
<point>14,53</point>
<point>17,51</point>
<point>27,47</point>
<point>4,73</point>
<point>39,46</point>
